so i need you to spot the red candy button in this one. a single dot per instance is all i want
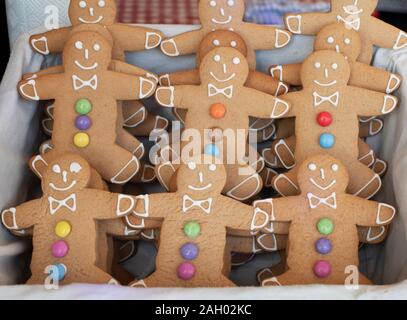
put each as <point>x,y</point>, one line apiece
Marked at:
<point>217,110</point>
<point>324,119</point>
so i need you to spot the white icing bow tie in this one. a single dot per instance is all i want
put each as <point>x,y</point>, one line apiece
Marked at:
<point>315,201</point>
<point>188,203</point>
<point>332,99</point>
<point>213,91</point>
<point>353,23</point>
<point>78,83</point>
<point>69,203</point>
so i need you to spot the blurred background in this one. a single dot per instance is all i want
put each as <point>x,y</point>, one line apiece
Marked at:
<point>175,12</point>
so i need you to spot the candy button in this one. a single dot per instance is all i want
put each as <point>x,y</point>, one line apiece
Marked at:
<point>322,269</point>
<point>325,226</point>
<point>324,119</point>
<point>186,271</point>
<point>217,110</point>
<point>189,251</point>
<point>81,140</point>
<point>212,150</point>
<point>323,246</point>
<point>60,249</point>
<point>192,229</point>
<point>61,271</point>
<point>83,123</point>
<point>326,140</point>
<point>63,229</point>
<point>83,106</point>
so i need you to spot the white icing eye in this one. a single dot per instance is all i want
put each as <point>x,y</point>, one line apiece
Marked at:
<point>75,167</point>
<point>335,167</point>
<point>96,47</point>
<point>82,4</point>
<point>236,60</point>
<point>233,44</point>
<point>231,3</point>
<point>102,4</point>
<point>212,167</point>
<point>212,3</point>
<point>56,168</point>
<point>191,165</point>
<point>216,58</point>
<point>347,41</point>
<point>330,40</point>
<point>335,66</point>
<point>216,42</point>
<point>317,65</point>
<point>312,166</point>
<point>79,45</point>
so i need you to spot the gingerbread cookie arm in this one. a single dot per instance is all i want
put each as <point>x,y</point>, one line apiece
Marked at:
<point>131,38</point>
<point>129,87</point>
<point>122,67</point>
<point>289,73</point>
<point>308,23</point>
<point>280,209</point>
<point>370,213</point>
<point>370,103</point>
<point>42,88</point>
<point>262,105</point>
<point>365,76</point>
<point>51,41</point>
<point>394,38</point>
<point>176,96</point>
<point>264,83</point>
<point>274,37</point>
<point>188,77</point>
<point>43,72</point>
<point>114,205</point>
<point>23,216</point>
<point>183,44</point>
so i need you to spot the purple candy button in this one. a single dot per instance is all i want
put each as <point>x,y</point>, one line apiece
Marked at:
<point>189,251</point>
<point>60,249</point>
<point>83,122</point>
<point>323,246</point>
<point>322,269</point>
<point>186,271</point>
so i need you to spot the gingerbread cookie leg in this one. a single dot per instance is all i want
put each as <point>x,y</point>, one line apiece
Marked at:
<point>130,143</point>
<point>286,184</point>
<point>370,128</point>
<point>281,153</point>
<point>146,174</point>
<point>364,182</point>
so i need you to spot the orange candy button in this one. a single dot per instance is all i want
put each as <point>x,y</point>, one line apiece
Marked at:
<point>217,110</point>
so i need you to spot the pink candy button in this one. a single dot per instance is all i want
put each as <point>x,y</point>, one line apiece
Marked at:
<point>322,269</point>
<point>186,271</point>
<point>60,249</point>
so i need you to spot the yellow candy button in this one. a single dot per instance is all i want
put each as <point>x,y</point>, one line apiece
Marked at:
<point>63,229</point>
<point>81,140</point>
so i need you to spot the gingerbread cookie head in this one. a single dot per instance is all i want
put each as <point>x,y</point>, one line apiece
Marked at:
<point>323,175</point>
<point>87,51</point>
<point>224,66</point>
<point>354,8</point>
<point>221,13</point>
<point>338,38</point>
<point>66,175</point>
<point>201,177</point>
<point>325,70</point>
<point>221,38</point>
<point>92,12</point>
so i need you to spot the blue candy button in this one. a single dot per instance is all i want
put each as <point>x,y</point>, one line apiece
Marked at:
<point>60,270</point>
<point>212,150</point>
<point>326,140</point>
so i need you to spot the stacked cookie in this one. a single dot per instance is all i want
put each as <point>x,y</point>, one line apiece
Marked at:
<point>213,213</point>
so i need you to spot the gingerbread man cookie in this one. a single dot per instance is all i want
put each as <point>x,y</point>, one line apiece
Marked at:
<point>227,15</point>
<point>89,126</point>
<point>62,217</point>
<point>126,38</point>
<point>355,15</point>
<point>220,107</point>
<point>326,125</point>
<point>194,222</point>
<point>323,240</point>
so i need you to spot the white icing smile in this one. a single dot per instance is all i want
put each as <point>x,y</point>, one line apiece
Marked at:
<point>321,187</point>
<point>228,20</point>
<point>200,188</point>
<point>330,84</point>
<point>92,67</point>
<point>53,186</point>
<point>89,21</point>
<point>222,80</point>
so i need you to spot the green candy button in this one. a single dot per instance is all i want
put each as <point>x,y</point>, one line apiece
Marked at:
<point>192,229</point>
<point>83,106</point>
<point>325,226</point>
